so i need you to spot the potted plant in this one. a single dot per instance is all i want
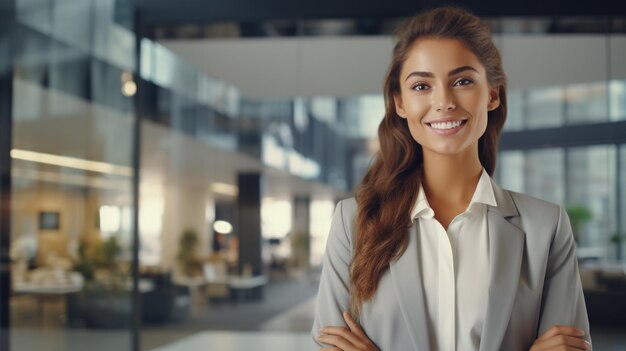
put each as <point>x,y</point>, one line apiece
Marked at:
<point>617,239</point>
<point>105,300</point>
<point>300,249</point>
<point>188,259</point>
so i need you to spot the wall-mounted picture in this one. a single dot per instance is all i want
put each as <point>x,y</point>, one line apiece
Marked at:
<point>49,220</point>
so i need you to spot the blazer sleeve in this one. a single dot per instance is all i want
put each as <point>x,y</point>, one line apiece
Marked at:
<point>563,302</point>
<point>334,287</point>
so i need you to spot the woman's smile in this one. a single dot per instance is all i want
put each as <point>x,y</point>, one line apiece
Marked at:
<point>447,128</point>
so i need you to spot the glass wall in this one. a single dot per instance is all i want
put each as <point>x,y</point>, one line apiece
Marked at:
<point>592,188</point>
<point>579,103</point>
<point>71,221</point>
<point>74,94</point>
<point>582,179</point>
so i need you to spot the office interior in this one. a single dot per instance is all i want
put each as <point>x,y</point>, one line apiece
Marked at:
<point>169,169</point>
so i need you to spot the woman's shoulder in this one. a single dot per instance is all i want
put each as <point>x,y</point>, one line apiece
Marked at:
<point>526,200</point>
<point>344,219</point>
<point>348,207</point>
<point>536,208</point>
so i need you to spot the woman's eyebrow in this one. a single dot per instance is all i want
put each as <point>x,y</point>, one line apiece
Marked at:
<point>451,73</point>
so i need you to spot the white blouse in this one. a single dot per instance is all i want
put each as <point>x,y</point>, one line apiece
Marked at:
<point>455,269</point>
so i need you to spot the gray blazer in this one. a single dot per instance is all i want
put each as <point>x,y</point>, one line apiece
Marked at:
<point>534,280</point>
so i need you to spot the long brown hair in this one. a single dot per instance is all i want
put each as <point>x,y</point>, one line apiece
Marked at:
<point>390,185</point>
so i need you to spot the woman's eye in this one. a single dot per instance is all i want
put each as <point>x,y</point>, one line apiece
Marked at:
<point>420,86</point>
<point>463,81</point>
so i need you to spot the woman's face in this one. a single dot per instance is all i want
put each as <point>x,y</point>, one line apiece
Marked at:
<point>445,96</point>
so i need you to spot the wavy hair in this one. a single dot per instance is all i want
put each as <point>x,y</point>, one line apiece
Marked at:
<point>392,181</point>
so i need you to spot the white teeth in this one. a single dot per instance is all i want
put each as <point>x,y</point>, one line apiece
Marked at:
<point>446,125</point>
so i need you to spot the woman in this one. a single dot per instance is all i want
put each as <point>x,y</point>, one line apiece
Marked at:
<point>432,254</point>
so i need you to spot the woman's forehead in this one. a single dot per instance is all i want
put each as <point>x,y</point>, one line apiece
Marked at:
<point>439,56</point>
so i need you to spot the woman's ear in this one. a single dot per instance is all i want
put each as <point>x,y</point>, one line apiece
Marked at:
<point>397,99</point>
<point>494,98</point>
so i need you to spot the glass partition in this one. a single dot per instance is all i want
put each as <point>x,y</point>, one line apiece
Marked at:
<point>71,174</point>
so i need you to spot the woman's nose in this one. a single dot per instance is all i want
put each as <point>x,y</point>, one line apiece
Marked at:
<point>443,100</point>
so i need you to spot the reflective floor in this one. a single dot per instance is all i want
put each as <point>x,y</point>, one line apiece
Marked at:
<point>259,341</point>
<point>299,317</point>
<point>281,321</point>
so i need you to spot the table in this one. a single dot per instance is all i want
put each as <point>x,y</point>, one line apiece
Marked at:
<point>44,291</point>
<point>241,284</point>
<point>196,286</point>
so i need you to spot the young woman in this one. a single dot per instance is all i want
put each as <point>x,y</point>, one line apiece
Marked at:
<point>433,254</point>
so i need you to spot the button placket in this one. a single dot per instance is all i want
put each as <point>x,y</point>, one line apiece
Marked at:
<point>447,291</point>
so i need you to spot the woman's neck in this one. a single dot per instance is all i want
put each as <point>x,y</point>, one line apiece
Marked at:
<point>451,179</point>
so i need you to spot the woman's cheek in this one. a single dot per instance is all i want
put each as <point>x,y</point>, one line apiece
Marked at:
<point>417,132</point>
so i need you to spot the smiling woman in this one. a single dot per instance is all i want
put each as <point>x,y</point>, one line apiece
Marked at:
<point>432,254</point>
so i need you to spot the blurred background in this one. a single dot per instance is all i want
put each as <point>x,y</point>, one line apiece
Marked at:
<point>168,170</point>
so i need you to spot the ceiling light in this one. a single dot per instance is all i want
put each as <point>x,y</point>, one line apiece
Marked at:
<point>71,162</point>
<point>222,227</point>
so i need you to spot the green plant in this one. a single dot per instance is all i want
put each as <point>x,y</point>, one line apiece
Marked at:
<point>617,239</point>
<point>101,259</point>
<point>103,302</point>
<point>187,257</point>
<point>300,242</point>
<point>578,215</point>
<point>85,264</point>
<point>110,251</point>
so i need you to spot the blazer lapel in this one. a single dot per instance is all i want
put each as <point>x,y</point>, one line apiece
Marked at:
<point>407,284</point>
<point>506,249</point>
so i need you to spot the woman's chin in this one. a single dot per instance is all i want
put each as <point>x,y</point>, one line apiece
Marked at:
<point>447,149</point>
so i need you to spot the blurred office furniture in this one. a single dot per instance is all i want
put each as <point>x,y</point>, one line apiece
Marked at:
<point>216,275</point>
<point>99,309</point>
<point>48,285</point>
<point>194,284</point>
<point>605,292</point>
<point>216,284</point>
<point>167,302</point>
<point>99,306</point>
<point>247,287</point>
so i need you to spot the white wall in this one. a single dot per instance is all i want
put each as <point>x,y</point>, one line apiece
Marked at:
<point>184,208</point>
<point>289,67</point>
<point>532,61</point>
